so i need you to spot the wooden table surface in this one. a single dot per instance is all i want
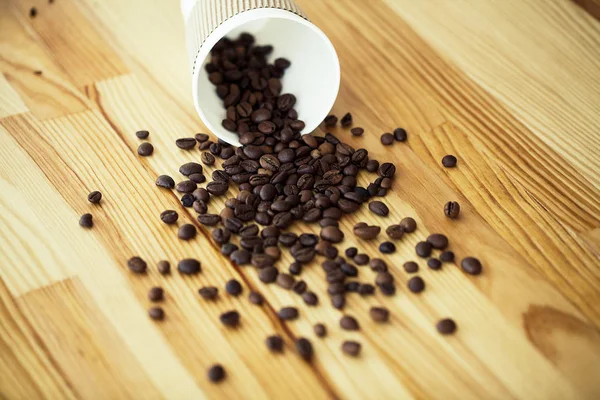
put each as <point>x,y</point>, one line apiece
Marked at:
<point>511,87</point>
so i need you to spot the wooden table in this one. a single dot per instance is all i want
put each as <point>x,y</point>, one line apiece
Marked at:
<point>511,87</point>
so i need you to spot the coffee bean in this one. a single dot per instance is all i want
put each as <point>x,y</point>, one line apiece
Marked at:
<point>190,168</point>
<point>379,208</point>
<point>295,268</point>
<point>400,135</point>
<point>95,197</point>
<point>201,137</point>
<point>379,314</point>
<point>361,259</point>
<point>349,269</point>
<point>351,252</point>
<point>230,318</point>
<point>384,278</point>
<point>411,267</point>
<point>449,161</point>
<point>320,330</point>
<point>338,301</point>
<point>186,187</point>
<point>357,131</point>
<point>395,232</point>
<point>310,298</point>
<point>446,326</point>
<point>156,313</point>
<point>233,287</point>
<point>299,287</point>
<point>216,373</point>
<point>332,234</point>
<point>208,292</point>
<point>240,257</point>
<point>349,323</point>
<point>155,294</point>
<point>304,348</point>
<point>408,224</point>
<point>164,267</point>
<point>372,165</point>
<point>145,149</point>
<point>165,181</point>
<point>366,232</point>
<point>285,281</point>
<point>434,263</point>
<point>378,265</point>
<point>262,260</point>
<point>387,247</point>
<point>452,209</point>
<point>346,120</point>
<point>217,188</point>
<point>137,265</point>
<point>142,134</point>
<point>255,298</point>
<point>207,158</point>
<point>447,256</point>
<point>336,288</point>
<point>86,221</point>
<point>331,121</point>
<point>274,343</point>
<point>288,313</point>
<point>387,170</point>
<point>187,200</point>
<point>268,274</point>
<point>471,265</point>
<point>186,232</point>
<point>387,139</point>
<point>438,241</point>
<point>351,348</point>
<point>423,249</point>
<point>189,266</point>
<point>186,143</point>
<point>416,284</point>
<point>209,219</point>
<point>228,248</point>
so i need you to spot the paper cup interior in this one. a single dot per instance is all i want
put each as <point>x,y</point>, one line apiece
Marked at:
<point>313,77</point>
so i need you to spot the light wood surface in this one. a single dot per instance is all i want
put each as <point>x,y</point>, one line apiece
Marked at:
<point>511,87</point>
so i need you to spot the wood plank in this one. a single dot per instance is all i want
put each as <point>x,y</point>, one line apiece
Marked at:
<point>10,102</point>
<point>84,344</point>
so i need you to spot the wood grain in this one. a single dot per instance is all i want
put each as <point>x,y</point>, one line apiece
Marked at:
<point>517,104</point>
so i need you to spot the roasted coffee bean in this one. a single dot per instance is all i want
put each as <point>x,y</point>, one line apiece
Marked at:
<point>299,287</point>
<point>423,249</point>
<point>338,301</point>
<point>352,287</point>
<point>387,170</point>
<point>346,120</point>
<point>361,259</point>
<point>268,274</point>
<point>379,314</point>
<point>216,373</point>
<point>217,188</point>
<point>336,288</point>
<point>416,284</point>
<point>186,143</point>
<point>186,232</point>
<point>137,265</point>
<point>200,207</point>
<point>336,275</point>
<point>320,330</point>
<point>452,209</point>
<point>230,318</point>
<point>233,287</point>
<point>304,349</point>
<point>351,348</point>
<point>201,194</point>
<point>95,197</point>
<point>295,268</point>
<point>186,187</point>
<point>145,149</point>
<point>471,265</point>
<point>209,219</point>
<point>207,158</point>
<point>255,298</point>
<point>366,289</point>
<point>351,252</point>
<point>330,121</point>
<point>285,281</point>
<point>274,343</point>
<point>388,289</point>
<point>156,313</point>
<point>349,323</point>
<point>400,135</point>
<point>165,181</point>
<point>438,241</point>
<point>378,265</point>
<point>332,234</point>
<point>155,294</point>
<point>384,278</point>
<point>288,313</point>
<point>408,224</point>
<point>366,232</point>
<point>240,257</point>
<point>208,292</point>
<point>447,256</point>
<point>197,178</point>
<point>86,220</point>
<point>142,134</point>
<point>164,267</point>
<point>305,255</point>
<point>434,263</point>
<point>357,131</point>
<point>411,267</point>
<point>201,137</point>
<point>189,266</point>
<point>387,139</point>
<point>379,208</point>
<point>449,161</point>
<point>187,200</point>
<point>233,224</point>
<point>262,260</point>
<point>228,248</point>
<point>395,232</point>
<point>310,298</point>
<point>349,269</point>
<point>372,165</point>
<point>446,326</point>
<point>190,168</point>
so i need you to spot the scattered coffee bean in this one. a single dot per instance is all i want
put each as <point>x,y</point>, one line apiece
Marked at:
<point>378,265</point>
<point>137,265</point>
<point>186,143</point>
<point>423,249</point>
<point>387,139</point>
<point>216,373</point>
<point>361,259</point>
<point>155,294</point>
<point>207,158</point>
<point>274,343</point>
<point>366,232</point>
<point>187,200</point>
<point>268,274</point>
<point>288,313</point>
<point>387,170</point>
<point>471,265</point>
<point>387,247</point>
<point>411,267</point>
<point>384,278</point>
<point>408,224</point>
<point>349,323</point>
<point>438,241</point>
<point>286,281</point>
<point>366,289</point>
<point>351,252</point>
<point>145,149</point>
<point>330,121</point>
<point>395,232</point>
<point>379,208</point>
<point>452,209</point>
<point>400,135</point>
<point>156,313</point>
<point>416,284</point>
<point>189,266</point>
<point>434,263</point>
<point>338,301</point>
<point>449,161</point>
<point>164,267</point>
<point>95,197</point>
<point>142,134</point>
<point>233,287</point>
<point>299,287</point>
<point>165,181</point>
<point>320,330</point>
<point>169,216</point>
<point>186,232</point>
<point>186,187</point>
<point>208,292</point>
<point>446,326</point>
<point>351,348</point>
<point>310,298</point>
<point>295,268</point>
<point>379,314</point>
<point>230,318</point>
<point>304,348</point>
<point>357,131</point>
<point>346,120</point>
<point>190,168</point>
<point>255,298</point>
<point>201,137</point>
<point>86,220</point>
<point>332,234</point>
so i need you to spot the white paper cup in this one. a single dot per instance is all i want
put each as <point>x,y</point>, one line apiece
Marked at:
<point>314,75</point>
